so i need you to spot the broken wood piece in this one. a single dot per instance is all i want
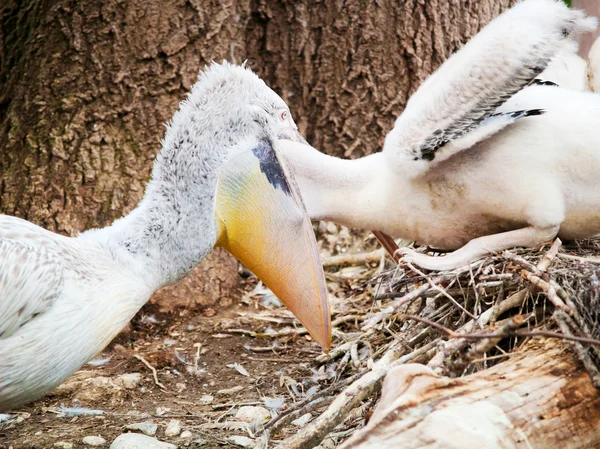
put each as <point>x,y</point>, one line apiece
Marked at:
<point>540,398</point>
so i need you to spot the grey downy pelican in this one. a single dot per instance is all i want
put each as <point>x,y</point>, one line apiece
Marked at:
<point>217,181</point>
<point>482,159</point>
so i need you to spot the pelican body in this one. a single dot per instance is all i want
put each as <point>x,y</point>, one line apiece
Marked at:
<point>218,181</point>
<point>484,157</point>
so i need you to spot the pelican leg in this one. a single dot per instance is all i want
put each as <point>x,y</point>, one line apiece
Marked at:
<point>481,247</point>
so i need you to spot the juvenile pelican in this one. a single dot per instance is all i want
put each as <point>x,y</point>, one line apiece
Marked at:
<point>480,160</point>
<point>218,181</point>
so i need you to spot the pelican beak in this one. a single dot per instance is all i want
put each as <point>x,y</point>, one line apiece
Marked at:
<point>263,223</point>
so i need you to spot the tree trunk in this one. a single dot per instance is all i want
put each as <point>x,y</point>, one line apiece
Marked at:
<point>85,87</point>
<point>539,398</point>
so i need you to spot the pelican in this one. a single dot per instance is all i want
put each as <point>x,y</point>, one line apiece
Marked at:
<point>481,159</point>
<point>217,181</point>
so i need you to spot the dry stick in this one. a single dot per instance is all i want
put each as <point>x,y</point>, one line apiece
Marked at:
<point>486,344</point>
<point>281,419</point>
<point>287,333</point>
<point>313,433</point>
<point>550,291</point>
<point>561,319</point>
<point>515,300</point>
<point>151,368</point>
<point>549,256</point>
<point>594,260</point>
<point>354,259</point>
<point>555,293</point>
<point>502,332</point>
<point>441,290</point>
<point>413,295</point>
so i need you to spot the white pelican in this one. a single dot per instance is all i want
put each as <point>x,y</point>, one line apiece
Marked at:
<point>218,181</point>
<point>480,160</point>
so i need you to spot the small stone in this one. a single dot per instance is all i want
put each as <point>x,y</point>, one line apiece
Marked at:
<point>303,420</point>
<point>207,399</point>
<point>251,414</point>
<point>241,441</point>
<point>199,442</point>
<point>161,411</point>
<point>139,441</point>
<point>147,428</point>
<point>173,428</point>
<point>128,381</point>
<point>186,434</point>
<point>63,445</point>
<point>94,440</point>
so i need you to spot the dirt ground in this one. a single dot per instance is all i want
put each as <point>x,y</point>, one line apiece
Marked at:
<point>170,343</point>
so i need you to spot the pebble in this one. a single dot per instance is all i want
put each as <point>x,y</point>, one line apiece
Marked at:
<point>173,428</point>
<point>251,414</point>
<point>186,434</point>
<point>139,441</point>
<point>147,428</point>
<point>241,441</point>
<point>94,440</point>
<point>161,411</point>
<point>129,380</point>
<point>63,445</point>
<point>206,399</point>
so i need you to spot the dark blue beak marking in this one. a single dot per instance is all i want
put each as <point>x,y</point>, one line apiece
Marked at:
<point>270,166</point>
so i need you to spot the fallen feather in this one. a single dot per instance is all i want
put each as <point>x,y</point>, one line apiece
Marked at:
<point>239,368</point>
<point>77,411</point>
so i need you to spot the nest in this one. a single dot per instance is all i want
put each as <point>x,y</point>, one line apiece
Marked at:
<point>457,322</point>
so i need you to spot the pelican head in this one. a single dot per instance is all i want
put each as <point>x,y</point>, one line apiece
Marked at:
<point>220,168</point>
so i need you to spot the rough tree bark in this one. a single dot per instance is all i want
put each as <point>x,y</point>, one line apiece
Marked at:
<point>85,87</point>
<point>539,398</point>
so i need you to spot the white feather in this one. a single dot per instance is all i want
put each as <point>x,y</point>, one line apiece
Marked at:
<point>499,61</point>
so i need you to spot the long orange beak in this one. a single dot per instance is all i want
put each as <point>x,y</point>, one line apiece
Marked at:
<point>263,223</point>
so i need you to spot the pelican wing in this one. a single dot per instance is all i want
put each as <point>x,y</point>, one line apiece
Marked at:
<point>31,279</point>
<point>455,107</point>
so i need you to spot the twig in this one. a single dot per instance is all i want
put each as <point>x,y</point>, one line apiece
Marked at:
<point>550,291</point>
<point>486,344</point>
<point>354,258</point>
<point>549,256</point>
<point>561,320</point>
<point>499,334</point>
<point>414,294</point>
<point>441,290</point>
<point>300,405</point>
<point>313,433</point>
<point>151,368</point>
<point>594,260</point>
